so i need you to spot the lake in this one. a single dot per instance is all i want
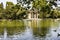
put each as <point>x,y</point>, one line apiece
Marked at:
<point>41,29</point>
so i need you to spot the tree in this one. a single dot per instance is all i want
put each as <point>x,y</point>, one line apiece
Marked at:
<point>8,11</point>
<point>14,11</point>
<point>11,10</point>
<point>25,3</point>
<point>44,7</point>
<point>21,14</point>
<point>1,10</point>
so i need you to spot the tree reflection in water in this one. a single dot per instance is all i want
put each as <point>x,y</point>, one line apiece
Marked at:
<point>42,29</point>
<point>15,30</point>
<point>1,30</point>
<point>17,27</point>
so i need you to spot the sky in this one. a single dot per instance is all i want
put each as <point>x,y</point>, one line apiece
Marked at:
<point>4,1</point>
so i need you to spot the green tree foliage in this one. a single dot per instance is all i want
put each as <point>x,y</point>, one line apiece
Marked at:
<point>1,10</point>
<point>21,13</point>
<point>25,2</point>
<point>45,8</point>
<point>13,11</point>
<point>8,12</point>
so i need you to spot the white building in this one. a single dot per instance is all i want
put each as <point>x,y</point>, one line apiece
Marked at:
<point>33,13</point>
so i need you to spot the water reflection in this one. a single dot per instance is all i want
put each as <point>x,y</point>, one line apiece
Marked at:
<point>1,30</point>
<point>47,29</point>
<point>42,28</point>
<point>15,30</point>
<point>17,27</point>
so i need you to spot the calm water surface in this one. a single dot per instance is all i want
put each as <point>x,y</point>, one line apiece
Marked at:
<point>47,29</point>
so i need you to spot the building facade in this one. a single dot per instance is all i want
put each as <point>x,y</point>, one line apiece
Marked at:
<point>33,13</point>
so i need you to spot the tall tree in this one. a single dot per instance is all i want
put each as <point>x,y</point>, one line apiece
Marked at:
<point>8,12</point>
<point>13,11</point>
<point>44,7</point>
<point>25,3</point>
<point>1,10</point>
